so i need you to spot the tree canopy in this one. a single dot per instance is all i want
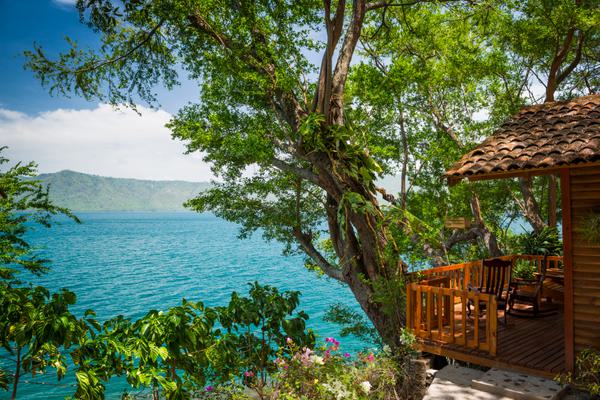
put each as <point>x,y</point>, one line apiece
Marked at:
<point>299,127</point>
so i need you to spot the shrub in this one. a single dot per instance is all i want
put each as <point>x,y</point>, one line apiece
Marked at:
<point>544,242</point>
<point>329,373</point>
<point>524,269</point>
<point>587,371</point>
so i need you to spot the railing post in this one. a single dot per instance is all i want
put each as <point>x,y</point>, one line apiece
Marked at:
<point>493,325</point>
<point>451,316</point>
<point>440,311</point>
<point>464,317</point>
<point>419,314</point>
<point>409,311</point>
<point>429,310</point>
<point>476,321</point>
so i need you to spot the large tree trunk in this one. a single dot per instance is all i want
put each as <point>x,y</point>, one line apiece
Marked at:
<point>359,237</point>
<point>487,236</point>
<point>529,206</point>
<point>552,200</point>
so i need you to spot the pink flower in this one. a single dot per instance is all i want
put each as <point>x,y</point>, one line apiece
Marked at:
<point>289,340</point>
<point>248,374</point>
<point>371,357</point>
<point>279,362</point>
<point>305,357</point>
<point>209,388</point>
<point>329,339</point>
<point>346,355</point>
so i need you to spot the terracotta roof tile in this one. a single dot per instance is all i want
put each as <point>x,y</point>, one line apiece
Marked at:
<point>541,136</point>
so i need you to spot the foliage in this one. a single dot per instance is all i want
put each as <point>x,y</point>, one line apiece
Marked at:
<point>545,242</point>
<point>24,203</point>
<point>175,352</point>
<point>35,326</point>
<point>297,146</point>
<point>256,329</point>
<point>180,351</point>
<point>229,391</point>
<point>34,323</point>
<point>352,324</point>
<point>524,269</point>
<point>587,371</point>
<point>590,227</point>
<point>327,373</point>
<point>162,350</point>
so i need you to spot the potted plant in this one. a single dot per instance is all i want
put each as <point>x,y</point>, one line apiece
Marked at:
<point>545,242</point>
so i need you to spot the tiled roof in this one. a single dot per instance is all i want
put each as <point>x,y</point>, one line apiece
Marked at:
<point>541,136</point>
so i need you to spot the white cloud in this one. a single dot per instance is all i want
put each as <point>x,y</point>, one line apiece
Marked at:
<point>101,141</point>
<point>65,2</point>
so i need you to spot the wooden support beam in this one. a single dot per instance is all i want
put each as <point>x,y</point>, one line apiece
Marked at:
<point>565,188</point>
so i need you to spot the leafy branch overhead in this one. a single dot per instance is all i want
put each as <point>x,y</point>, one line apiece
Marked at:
<point>24,203</point>
<point>300,145</point>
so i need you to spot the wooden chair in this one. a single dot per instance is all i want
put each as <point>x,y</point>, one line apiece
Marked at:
<point>493,278</point>
<point>529,291</point>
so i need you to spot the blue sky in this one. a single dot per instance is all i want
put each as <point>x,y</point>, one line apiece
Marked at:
<point>71,133</point>
<point>47,22</point>
<point>21,24</point>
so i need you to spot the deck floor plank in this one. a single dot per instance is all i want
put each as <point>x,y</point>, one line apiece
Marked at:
<point>528,344</point>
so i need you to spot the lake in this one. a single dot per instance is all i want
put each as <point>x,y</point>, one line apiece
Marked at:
<point>130,262</point>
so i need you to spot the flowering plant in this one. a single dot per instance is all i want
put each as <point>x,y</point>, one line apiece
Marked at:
<point>327,373</point>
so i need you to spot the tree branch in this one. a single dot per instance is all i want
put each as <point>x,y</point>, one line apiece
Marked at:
<point>122,57</point>
<point>343,62</point>
<point>305,241</point>
<point>559,56</point>
<point>531,210</point>
<point>284,103</point>
<point>333,27</point>
<point>565,73</point>
<point>298,171</point>
<point>384,4</point>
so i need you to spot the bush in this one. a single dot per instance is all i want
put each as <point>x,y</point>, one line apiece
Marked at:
<point>545,242</point>
<point>587,371</point>
<point>524,269</point>
<point>329,373</point>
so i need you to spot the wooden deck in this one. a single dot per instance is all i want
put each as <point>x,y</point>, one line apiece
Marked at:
<point>529,345</point>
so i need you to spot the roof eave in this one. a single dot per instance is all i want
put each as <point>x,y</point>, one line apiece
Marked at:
<point>553,170</point>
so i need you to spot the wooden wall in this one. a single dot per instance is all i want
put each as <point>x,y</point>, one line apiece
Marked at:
<point>584,198</point>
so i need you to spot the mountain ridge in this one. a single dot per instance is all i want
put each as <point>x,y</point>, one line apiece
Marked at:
<point>79,191</point>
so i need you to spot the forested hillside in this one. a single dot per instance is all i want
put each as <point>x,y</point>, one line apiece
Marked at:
<point>83,192</point>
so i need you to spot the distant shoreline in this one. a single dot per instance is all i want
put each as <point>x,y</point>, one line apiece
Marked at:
<point>81,192</point>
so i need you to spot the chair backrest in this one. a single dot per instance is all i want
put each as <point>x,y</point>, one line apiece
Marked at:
<point>494,273</point>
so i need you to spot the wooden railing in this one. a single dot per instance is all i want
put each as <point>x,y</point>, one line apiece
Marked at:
<point>438,299</point>
<point>431,315</point>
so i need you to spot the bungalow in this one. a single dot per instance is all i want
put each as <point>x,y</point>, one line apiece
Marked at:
<point>558,138</point>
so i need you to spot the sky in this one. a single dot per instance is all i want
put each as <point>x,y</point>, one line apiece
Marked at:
<point>71,133</point>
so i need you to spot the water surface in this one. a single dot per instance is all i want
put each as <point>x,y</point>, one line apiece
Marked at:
<point>128,263</point>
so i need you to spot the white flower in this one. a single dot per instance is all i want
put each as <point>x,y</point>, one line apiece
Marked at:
<point>387,349</point>
<point>315,359</point>
<point>365,386</point>
<point>338,390</point>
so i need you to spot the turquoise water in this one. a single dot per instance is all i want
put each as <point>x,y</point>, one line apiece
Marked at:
<point>129,263</point>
